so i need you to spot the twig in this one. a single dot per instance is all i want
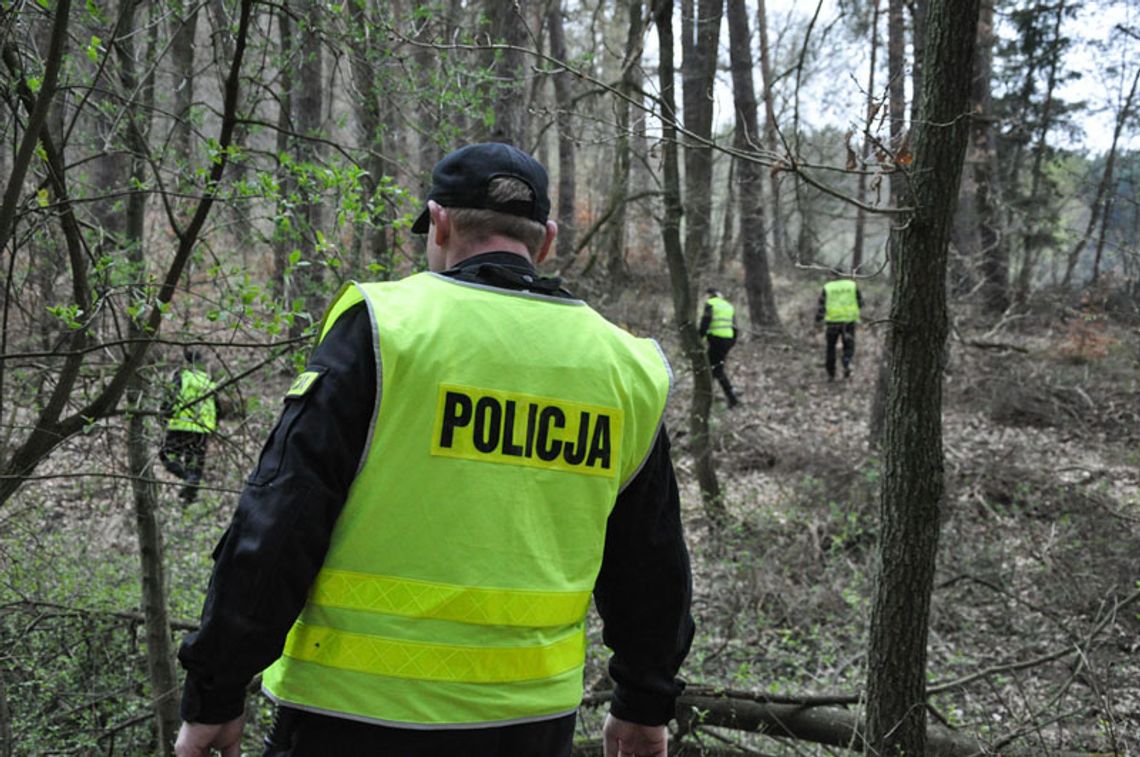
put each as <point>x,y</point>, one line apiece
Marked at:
<point>1025,664</point>
<point>133,617</point>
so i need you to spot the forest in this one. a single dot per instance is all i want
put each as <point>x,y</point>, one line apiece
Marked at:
<point>937,555</point>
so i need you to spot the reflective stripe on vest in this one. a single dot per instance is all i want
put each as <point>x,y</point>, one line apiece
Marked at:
<point>841,301</point>
<point>426,599</point>
<point>192,413</point>
<point>426,661</point>
<point>721,323</point>
<point>460,570</point>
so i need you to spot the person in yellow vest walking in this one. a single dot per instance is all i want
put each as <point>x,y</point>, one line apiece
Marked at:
<point>718,327</point>
<point>470,454</point>
<point>839,305</point>
<point>192,417</point>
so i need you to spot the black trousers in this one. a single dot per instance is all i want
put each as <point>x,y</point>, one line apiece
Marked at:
<point>184,455</point>
<point>836,332</point>
<point>300,734</point>
<point>719,347</point>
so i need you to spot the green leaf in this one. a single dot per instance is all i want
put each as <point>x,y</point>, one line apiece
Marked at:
<point>93,49</point>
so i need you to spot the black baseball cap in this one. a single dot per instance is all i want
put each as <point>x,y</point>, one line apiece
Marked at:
<point>462,177</point>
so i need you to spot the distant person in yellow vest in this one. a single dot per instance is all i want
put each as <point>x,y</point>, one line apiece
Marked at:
<point>470,454</point>
<point>718,327</point>
<point>192,417</point>
<point>839,305</point>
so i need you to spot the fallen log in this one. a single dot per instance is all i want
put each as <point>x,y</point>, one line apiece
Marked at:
<point>831,726</point>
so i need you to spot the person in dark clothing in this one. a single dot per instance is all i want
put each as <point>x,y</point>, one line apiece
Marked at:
<point>839,305</point>
<point>718,327</point>
<point>409,570</point>
<point>191,416</point>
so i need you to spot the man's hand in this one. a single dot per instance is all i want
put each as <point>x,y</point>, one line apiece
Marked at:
<point>197,739</point>
<point>625,739</point>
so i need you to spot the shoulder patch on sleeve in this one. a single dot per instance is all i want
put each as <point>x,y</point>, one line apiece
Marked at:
<point>303,383</point>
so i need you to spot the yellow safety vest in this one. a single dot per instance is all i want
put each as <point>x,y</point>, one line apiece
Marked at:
<point>841,301</point>
<point>721,324</point>
<point>191,413</point>
<point>460,570</point>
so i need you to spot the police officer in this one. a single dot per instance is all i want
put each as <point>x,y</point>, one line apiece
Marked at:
<point>718,327</point>
<point>192,416</point>
<point>839,305</point>
<point>469,454</point>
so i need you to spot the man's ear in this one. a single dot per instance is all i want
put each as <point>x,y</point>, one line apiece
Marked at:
<point>548,242</point>
<point>440,222</point>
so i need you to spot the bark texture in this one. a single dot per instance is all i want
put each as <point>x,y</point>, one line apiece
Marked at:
<point>699,45</point>
<point>872,109</point>
<point>912,487</point>
<point>681,285</point>
<point>993,252</point>
<point>771,139</point>
<point>750,181</point>
<point>567,162</point>
<point>506,25</point>
<point>161,674</point>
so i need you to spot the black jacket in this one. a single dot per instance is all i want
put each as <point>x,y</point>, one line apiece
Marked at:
<point>275,545</point>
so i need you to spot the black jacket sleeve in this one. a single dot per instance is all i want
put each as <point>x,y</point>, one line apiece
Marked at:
<point>643,592</point>
<point>277,540</point>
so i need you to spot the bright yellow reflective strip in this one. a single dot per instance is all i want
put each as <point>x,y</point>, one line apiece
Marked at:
<point>426,599</point>
<point>434,662</point>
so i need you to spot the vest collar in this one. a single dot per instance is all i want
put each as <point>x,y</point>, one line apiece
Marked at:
<point>506,270</point>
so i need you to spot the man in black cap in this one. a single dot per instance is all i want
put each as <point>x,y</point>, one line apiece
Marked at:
<point>470,454</point>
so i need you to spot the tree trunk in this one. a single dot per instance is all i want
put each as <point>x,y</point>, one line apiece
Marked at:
<point>771,139</point>
<point>7,741</point>
<point>505,23</point>
<point>698,74</point>
<point>728,239</point>
<point>757,277</point>
<point>1108,203</point>
<point>36,120</point>
<point>993,250</point>
<point>285,232</point>
<point>308,107</point>
<point>912,486</point>
<point>896,83</point>
<point>1032,243</point>
<point>161,673</point>
<point>917,36</point>
<point>567,167</point>
<point>619,189</point>
<point>868,124</point>
<point>184,23</point>
<point>681,284</point>
<point>1100,203</point>
<point>366,48</point>
<point>896,89</point>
